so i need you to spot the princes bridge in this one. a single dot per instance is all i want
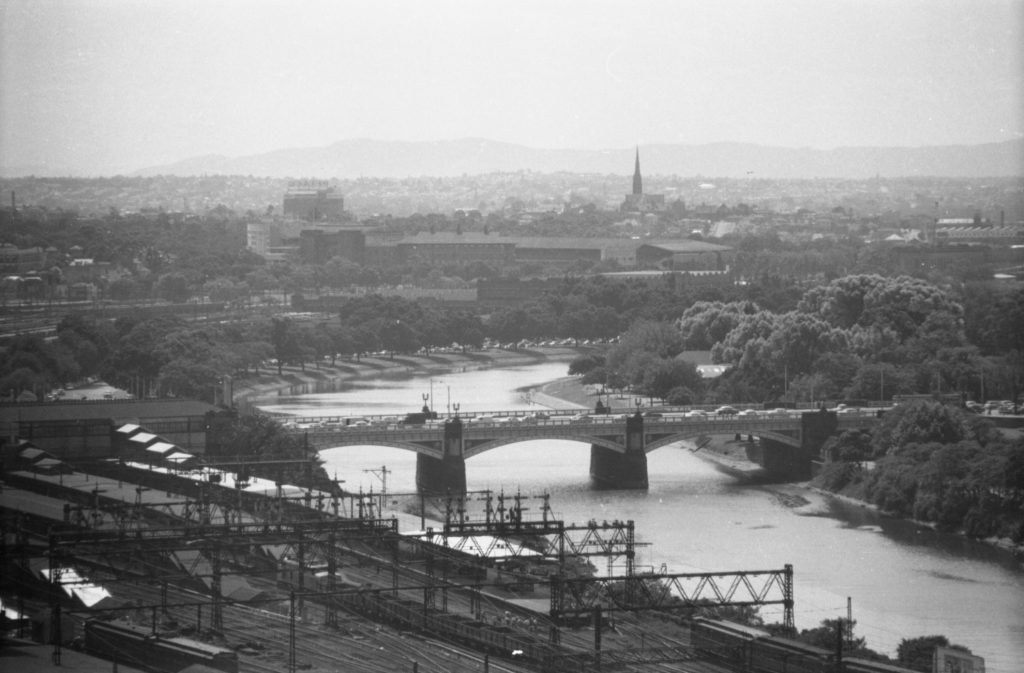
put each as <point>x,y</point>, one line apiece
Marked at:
<point>619,442</point>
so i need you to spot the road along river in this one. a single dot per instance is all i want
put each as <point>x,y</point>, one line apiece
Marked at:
<point>904,580</point>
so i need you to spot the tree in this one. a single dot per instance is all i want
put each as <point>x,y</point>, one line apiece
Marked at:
<point>660,377</point>
<point>135,357</point>
<point>657,339</point>
<point>918,653</point>
<point>681,395</point>
<point>826,634</point>
<point>901,304</point>
<point>880,381</point>
<point>124,288</point>
<point>173,287</point>
<point>919,422</point>
<point>285,340</point>
<point>852,446</point>
<point>994,320</point>
<point>398,337</point>
<point>583,364</point>
<point>708,322</point>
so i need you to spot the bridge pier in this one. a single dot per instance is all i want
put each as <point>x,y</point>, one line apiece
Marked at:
<point>790,464</point>
<point>447,475</point>
<point>611,469</point>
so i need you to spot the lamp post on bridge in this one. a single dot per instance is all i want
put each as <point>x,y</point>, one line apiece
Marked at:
<point>426,407</point>
<point>456,408</point>
<point>639,403</point>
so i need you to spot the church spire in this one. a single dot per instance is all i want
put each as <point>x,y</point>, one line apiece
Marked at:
<point>638,183</point>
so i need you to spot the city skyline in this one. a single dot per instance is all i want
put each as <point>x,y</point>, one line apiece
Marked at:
<point>98,87</point>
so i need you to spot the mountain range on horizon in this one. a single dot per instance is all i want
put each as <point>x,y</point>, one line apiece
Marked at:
<point>356,158</point>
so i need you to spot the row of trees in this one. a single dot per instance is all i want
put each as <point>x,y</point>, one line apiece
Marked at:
<point>934,463</point>
<point>858,337</point>
<point>168,355</point>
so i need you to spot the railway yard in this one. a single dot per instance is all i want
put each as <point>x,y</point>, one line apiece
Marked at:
<point>284,583</point>
<point>158,566</point>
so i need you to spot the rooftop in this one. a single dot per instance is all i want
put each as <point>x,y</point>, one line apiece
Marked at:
<point>99,409</point>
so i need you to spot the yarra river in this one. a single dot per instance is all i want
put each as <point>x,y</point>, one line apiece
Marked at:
<point>904,581</point>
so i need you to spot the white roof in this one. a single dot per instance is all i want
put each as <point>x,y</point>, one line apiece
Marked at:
<point>178,457</point>
<point>479,545</point>
<point>161,448</point>
<point>143,437</point>
<point>90,594</point>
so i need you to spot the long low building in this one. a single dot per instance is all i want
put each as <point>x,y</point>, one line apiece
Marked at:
<point>627,252</point>
<point>84,429</point>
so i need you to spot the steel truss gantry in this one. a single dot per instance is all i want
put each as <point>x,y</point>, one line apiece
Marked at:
<point>668,591</point>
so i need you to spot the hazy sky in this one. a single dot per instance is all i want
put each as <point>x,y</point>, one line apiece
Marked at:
<point>100,86</point>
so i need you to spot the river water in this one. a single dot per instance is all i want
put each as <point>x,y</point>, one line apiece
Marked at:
<point>904,581</point>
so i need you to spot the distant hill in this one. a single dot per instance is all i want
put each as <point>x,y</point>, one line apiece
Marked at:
<point>471,156</point>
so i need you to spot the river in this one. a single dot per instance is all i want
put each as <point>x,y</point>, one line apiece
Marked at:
<point>904,580</point>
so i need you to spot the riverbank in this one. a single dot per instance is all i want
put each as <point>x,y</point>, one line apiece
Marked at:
<point>249,389</point>
<point>737,458</point>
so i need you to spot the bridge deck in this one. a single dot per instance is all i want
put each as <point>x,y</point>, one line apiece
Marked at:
<point>603,430</point>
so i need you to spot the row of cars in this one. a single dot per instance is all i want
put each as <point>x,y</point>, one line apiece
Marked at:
<point>993,407</point>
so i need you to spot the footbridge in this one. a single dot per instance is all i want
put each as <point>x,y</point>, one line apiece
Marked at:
<point>619,443</point>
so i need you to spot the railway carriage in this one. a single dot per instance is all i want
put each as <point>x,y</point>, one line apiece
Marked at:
<point>141,648</point>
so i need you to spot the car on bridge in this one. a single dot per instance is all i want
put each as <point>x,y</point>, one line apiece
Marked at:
<point>696,413</point>
<point>747,413</point>
<point>726,411</point>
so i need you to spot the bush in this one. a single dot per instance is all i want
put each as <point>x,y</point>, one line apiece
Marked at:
<point>837,476</point>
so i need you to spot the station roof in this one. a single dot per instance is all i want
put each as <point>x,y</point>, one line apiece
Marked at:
<point>100,409</point>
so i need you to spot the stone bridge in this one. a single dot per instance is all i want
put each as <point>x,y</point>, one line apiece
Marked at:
<point>619,443</point>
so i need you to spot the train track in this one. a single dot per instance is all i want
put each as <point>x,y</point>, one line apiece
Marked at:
<point>262,638</point>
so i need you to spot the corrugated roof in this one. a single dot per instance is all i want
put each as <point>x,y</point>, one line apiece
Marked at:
<point>119,410</point>
<point>686,245</point>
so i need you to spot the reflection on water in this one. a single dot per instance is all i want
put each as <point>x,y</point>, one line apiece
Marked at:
<point>904,580</point>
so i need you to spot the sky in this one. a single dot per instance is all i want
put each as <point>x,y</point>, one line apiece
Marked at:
<point>99,87</point>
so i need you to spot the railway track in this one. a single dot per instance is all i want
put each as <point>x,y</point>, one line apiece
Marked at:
<point>262,638</point>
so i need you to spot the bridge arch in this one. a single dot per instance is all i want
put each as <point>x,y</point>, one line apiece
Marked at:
<point>488,445</point>
<point>333,443</point>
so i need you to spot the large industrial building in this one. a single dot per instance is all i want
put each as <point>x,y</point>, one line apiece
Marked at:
<point>313,201</point>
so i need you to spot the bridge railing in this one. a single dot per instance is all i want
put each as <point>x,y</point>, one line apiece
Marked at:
<point>551,417</point>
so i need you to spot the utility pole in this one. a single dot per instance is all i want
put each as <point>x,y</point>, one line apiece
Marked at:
<point>849,622</point>
<point>839,644</point>
<point>382,473</point>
